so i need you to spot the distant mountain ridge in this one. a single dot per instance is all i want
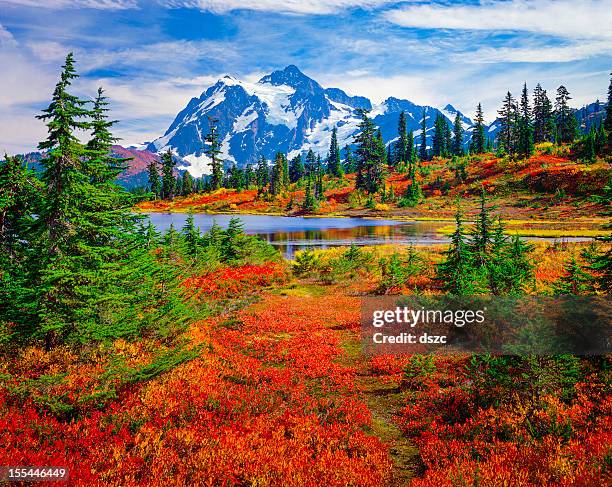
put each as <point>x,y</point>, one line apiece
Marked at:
<point>284,111</point>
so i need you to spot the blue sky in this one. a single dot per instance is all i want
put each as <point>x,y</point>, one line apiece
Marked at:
<point>153,56</point>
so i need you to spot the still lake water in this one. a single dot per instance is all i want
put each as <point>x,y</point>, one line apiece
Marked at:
<point>290,234</point>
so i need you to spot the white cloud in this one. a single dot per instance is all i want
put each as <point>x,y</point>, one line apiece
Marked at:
<point>6,38</point>
<point>56,4</point>
<point>282,6</point>
<point>565,18</point>
<point>546,54</point>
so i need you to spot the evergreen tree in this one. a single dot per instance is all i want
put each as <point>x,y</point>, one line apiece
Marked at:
<point>401,146</point>
<point>564,118</point>
<point>370,156</point>
<point>608,119</point>
<point>309,203</point>
<point>102,165</point>
<point>20,192</point>
<point>410,150</point>
<point>525,128</point>
<point>187,183</point>
<point>249,176</point>
<point>576,280</point>
<point>334,163</point>
<point>457,143</point>
<point>311,162</point>
<point>213,151</point>
<point>455,272</point>
<point>278,174</point>
<point>192,236</point>
<point>318,180</point>
<point>296,169</point>
<point>262,173</point>
<point>168,181</point>
<point>178,185</point>
<point>478,134</point>
<point>349,162</point>
<point>154,182</point>
<point>543,123</point>
<point>507,116</point>
<point>423,149</point>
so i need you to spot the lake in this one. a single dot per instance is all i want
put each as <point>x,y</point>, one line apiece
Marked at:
<point>290,234</point>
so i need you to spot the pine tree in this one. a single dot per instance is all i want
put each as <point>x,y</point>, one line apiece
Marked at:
<point>192,236</point>
<point>318,180</point>
<point>543,123</point>
<point>367,153</point>
<point>262,173</point>
<point>296,169</point>
<point>102,165</point>
<point>178,185</point>
<point>410,150</point>
<point>608,119</point>
<point>401,146</point>
<point>457,143</point>
<point>154,182</point>
<point>309,203</point>
<point>187,183</point>
<point>507,116</point>
<point>278,174</point>
<point>168,181</point>
<point>423,149</point>
<point>525,128</point>
<point>20,192</point>
<point>455,272</point>
<point>478,134</point>
<point>311,162</point>
<point>249,176</point>
<point>213,151</point>
<point>334,163</point>
<point>349,163</point>
<point>576,280</point>
<point>564,118</point>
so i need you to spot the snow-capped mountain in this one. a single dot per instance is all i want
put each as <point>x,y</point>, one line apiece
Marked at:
<point>284,111</point>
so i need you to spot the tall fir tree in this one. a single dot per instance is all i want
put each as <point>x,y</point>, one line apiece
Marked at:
<point>608,119</point>
<point>154,181</point>
<point>296,169</point>
<point>277,185</point>
<point>423,148</point>
<point>525,127</point>
<point>334,162</point>
<point>311,162</point>
<point>543,122</point>
<point>458,131</point>
<point>262,173</point>
<point>507,115</point>
<point>213,151</point>
<point>349,161</point>
<point>187,183</point>
<point>401,146</point>
<point>168,181</point>
<point>564,118</point>
<point>478,135</point>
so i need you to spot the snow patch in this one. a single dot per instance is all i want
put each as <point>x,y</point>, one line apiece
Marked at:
<point>199,165</point>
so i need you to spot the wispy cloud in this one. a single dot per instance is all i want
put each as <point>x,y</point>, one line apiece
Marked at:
<point>538,54</point>
<point>6,38</point>
<point>313,7</point>
<point>573,19</point>
<point>56,4</point>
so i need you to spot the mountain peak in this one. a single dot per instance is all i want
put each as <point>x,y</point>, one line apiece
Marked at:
<point>290,76</point>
